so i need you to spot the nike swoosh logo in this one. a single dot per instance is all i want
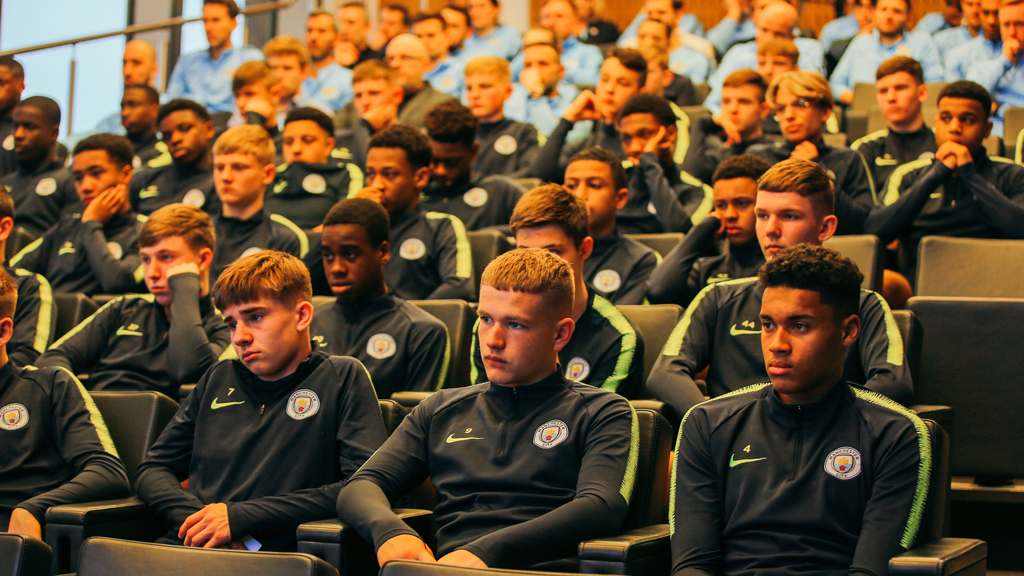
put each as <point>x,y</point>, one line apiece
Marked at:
<point>124,332</point>
<point>736,332</point>
<point>733,462</point>
<point>217,405</point>
<point>935,195</point>
<point>451,439</point>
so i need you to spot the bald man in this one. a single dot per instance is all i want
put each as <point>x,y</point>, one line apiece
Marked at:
<point>407,55</point>
<point>776,20</point>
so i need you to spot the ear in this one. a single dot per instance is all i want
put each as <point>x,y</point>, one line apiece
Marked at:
<point>922,93</point>
<point>422,177</point>
<point>508,91</point>
<point>988,130</point>
<point>208,128</point>
<point>275,94</point>
<point>7,330</point>
<point>6,226</point>
<point>563,333</point>
<point>126,174</point>
<point>667,77</point>
<point>398,95</point>
<point>205,258</point>
<point>851,330</point>
<point>330,144</point>
<point>385,252</point>
<point>561,71</point>
<point>269,173</point>
<point>828,227</point>
<point>671,133</point>
<point>586,248</point>
<point>304,313</point>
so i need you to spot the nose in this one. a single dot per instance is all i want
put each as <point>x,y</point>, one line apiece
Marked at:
<point>337,268</point>
<point>241,335</point>
<point>494,338</point>
<point>731,213</point>
<point>778,342</point>
<point>771,227</point>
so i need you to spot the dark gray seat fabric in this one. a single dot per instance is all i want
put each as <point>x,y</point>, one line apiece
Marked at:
<point>867,251</point>
<point>970,267</point>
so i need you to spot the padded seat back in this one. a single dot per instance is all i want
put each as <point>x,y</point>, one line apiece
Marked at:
<point>485,245</point>
<point>660,243</point>
<point>970,267</point>
<point>72,309</point>
<point>23,556</point>
<point>135,420</point>
<point>867,252</point>
<point>107,556</point>
<point>649,503</point>
<point>393,414</point>
<point>910,332</point>
<point>18,239</point>
<point>458,319</point>
<point>971,360</point>
<point>656,322</point>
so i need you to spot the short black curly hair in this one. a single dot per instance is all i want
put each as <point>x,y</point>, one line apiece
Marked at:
<point>742,166</point>
<point>361,212</point>
<point>599,154</point>
<point>834,277</point>
<point>313,114</point>
<point>416,146</point>
<point>969,91</point>
<point>644,103</point>
<point>183,104</point>
<point>451,123</point>
<point>118,148</point>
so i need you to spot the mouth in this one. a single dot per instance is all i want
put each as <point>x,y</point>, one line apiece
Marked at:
<point>249,356</point>
<point>492,360</point>
<point>733,231</point>
<point>779,368</point>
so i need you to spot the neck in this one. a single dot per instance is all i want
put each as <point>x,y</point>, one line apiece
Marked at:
<point>242,212</point>
<point>203,162</point>
<point>974,30</point>
<point>141,136</point>
<point>753,133</point>
<point>485,31</point>
<point>305,349</point>
<point>377,292</point>
<point>602,230</point>
<point>496,117</point>
<point>579,304</point>
<point>318,65</point>
<point>33,165</point>
<point>3,356</point>
<point>813,395</point>
<point>912,125</point>
<point>216,51</point>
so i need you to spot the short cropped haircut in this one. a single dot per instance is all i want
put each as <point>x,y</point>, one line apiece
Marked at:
<point>742,166</point>
<point>313,114</point>
<point>552,204</point>
<point>746,77</point>
<point>569,2</point>
<point>252,72</point>
<point>318,12</point>
<point>151,94</point>
<point>46,106</point>
<point>285,45</point>
<point>808,85</point>
<point>614,163</point>
<point>179,104</point>
<point>805,178</point>
<point>416,146</point>
<point>398,8</point>
<point>551,40</point>
<point>230,4</point>
<point>373,70</point>
<point>17,70</point>
<point>8,295</point>
<point>970,91</point>
<point>362,212</point>
<point>489,65</point>
<point>665,27</point>
<point>424,16</point>
<point>246,139</point>
<point>6,203</point>
<point>901,64</point>
<point>533,271</point>
<point>266,274</point>
<point>652,104</point>
<point>632,60</point>
<point>834,277</point>
<point>119,150</point>
<point>780,47</point>
<point>655,54</point>
<point>451,123</point>
<point>192,224</point>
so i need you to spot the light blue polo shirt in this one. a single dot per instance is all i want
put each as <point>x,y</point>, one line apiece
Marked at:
<point>207,81</point>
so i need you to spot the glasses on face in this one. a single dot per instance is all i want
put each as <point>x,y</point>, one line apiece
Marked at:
<point>798,104</point>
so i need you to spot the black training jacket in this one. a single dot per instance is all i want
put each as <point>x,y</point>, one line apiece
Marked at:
<point>480,203</point>
<point>261,231</point>
<point>304,193</point>
<point>154,188</point>
<point>506,148</point>
<point>41,195</point>
<point>618,268</point>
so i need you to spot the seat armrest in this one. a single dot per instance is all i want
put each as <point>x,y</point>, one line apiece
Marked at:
<point>410,399</point>
<point>100,512</point>
<point>942,557</point>
<point>942,415</point>
<point>640,551</point>
<point>340,545</point>
<point>69,525</point>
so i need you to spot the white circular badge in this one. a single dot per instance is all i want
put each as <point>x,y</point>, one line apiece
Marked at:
<point>550,434</point>
<point>447,82</point>
<point>194,198</point>
<point>251,251</point>
<point>381,346</point>
<point>651,208</point>
<point>14,416</point>
<point>607,281</point>
<point>677,67</point>
<point>904,51</point>
<point>136,163</point>
<point>476,197</point>
<point>46,186</point>
<point>115,250</point>
<point>577,369</point>
<point>843,463</point>
<point>412,249</point>
<point>505,144</point>
<point>303,404</point>
<point>314,184</point>
<point>9,142</point>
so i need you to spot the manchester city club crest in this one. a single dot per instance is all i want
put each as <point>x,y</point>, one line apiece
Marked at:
<point>550,434</point>
<point>303,404</point>
<point>381,346</point>
<point>412,249</point>
<point>475,197</point>
<point>314,184</point>
<point>195,198</point>
<point>577,369</point>
<point>607,281</point>
<point>46,186</point>
<point>505,144</point>
<point>14,416</point>
<point>843,463</point>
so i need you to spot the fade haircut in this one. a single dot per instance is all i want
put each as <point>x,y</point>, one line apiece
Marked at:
<point>252,72</point>
<point>285,45</point>
<point>533,271</point>
<point>901,64</point>
<point>246,139</point>
<point>742,166</point>
<point>553,204</point>
<point>834,277</point>
<point>652,104</point>
<point>807,85</point>
<point>373,70</point>
<point>746,77</point>
<point>6,203</point>
<point>314,114</point>
<point>17,70</point>
<point>362,212</point>
<point>805,178</point>
<point>780,47</point>
<point>969,91</point>
<point>229,4</point>
<point>151,94</point>
<point>118,148</point>
<point>192,224</point>
<point>179,104</point>
<point>318,13</point>
<point>46,106</point>
<point>266,274</point>
<point>632,60</point>
<point>451,123</point>
<point>8,295</point>
<point>416,146</point>
<point>489,65</point>
<point>598,154</point>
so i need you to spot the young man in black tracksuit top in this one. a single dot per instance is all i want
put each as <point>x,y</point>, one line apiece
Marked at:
<point>720,327</point>
<point>42,188</point>
<point>618,267</point>
<point>961,192</point>
<point>695,263</point>
<point>403,347</point>
<point>236,437</point>
<point>803,103</point>
<point>56,446</point>
<point>312,179</point>
<point>478,202</point>
<point>32,333</point>
<point>94,250</point>
<point>505,147</point>
<point>140,106</point>
<point>808,473</point>
<point>243,167</point>
<point>12,77</point>
<point>608,350</point>
<point>525,466</point>
<point>901,92</point>
<point>161,340</point>
<point>187,130</point>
